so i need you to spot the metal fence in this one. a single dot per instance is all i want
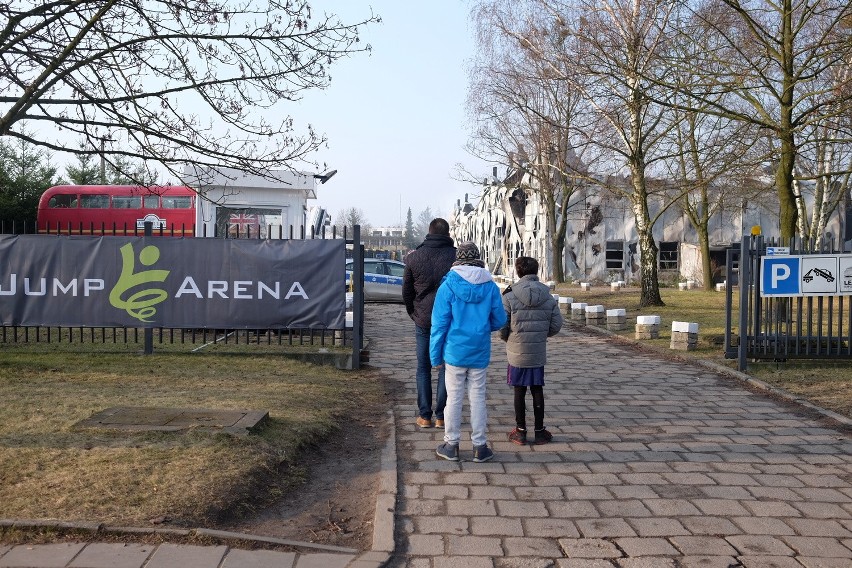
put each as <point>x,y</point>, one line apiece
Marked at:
<point>343,346</point>
<point>783,328</point>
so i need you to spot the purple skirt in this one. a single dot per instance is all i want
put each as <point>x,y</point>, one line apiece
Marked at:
<point>525,377</point>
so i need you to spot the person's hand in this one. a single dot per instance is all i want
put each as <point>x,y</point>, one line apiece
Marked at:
<point>441,366</point>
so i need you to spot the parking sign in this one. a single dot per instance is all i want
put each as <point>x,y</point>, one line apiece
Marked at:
<point>819,275</point>
<point>780,276</point>
<point>844,273</point>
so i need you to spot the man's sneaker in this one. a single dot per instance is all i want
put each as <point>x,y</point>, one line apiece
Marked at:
<point>482,453</point>
<point>448,452</point>
<point>423,422</point>
<point>518,436</point>
<point>542,436</point>
<point>439,423</point>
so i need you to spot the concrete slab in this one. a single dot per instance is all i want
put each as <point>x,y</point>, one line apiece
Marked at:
<point>187,556</point>
<point>324,560</point>
<point>113,555</point>
<point>137,418</point>
<point>259,559</point>
<point>41,555</point>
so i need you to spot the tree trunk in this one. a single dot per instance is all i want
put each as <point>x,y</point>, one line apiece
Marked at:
<point>650,295</point>
<point>704,249</point>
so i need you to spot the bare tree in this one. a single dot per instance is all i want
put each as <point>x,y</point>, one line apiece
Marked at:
<point>421,227</point>
<point>620,42</point>
<point>523,109</point>
<point>768,54</point>
<point>173,82</point>
<point>348,218</point>
<point>712,157</point>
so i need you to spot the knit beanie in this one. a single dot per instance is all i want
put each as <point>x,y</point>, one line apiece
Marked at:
<point>467,253</point>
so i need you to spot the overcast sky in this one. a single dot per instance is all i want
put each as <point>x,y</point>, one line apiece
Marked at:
<point>395,119</point>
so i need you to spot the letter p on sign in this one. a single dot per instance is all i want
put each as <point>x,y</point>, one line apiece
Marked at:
<point>780,276</point>
<point>779,272</point>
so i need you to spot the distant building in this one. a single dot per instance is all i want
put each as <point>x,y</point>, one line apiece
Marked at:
<point>507,221</point>
<point>384,242</point>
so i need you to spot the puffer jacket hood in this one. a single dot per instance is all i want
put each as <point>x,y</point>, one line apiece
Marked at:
<point>529,295</point>
<point>464,282</point>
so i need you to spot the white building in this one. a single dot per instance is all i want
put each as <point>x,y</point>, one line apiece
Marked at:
<point>230,200</point>
<point>601,242</point>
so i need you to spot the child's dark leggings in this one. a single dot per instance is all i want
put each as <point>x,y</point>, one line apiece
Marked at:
<point>538,406</point>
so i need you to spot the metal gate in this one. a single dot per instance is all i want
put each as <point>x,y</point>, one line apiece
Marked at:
<point>783,328</point>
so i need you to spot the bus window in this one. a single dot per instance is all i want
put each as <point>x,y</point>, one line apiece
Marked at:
<point>152,201</point>
<point>63,200</point>
<point>126,201</point>
<point>94,201</point>
<point>177,202</point>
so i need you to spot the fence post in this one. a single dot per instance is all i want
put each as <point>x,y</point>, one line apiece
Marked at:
<point>149,331</point>
<point>744,281</point>
<point>357,296</point>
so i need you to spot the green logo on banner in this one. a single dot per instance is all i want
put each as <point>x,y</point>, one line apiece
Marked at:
<point>140,304</point>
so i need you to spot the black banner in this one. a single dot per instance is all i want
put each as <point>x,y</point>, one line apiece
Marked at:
<point>171,282</point>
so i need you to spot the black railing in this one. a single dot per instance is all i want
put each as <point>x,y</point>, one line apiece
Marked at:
<point>775,328</point>
<point>347,341</point>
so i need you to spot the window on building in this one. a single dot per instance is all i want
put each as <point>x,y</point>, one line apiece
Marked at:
<point>615,255</point>
<point>668,255</point>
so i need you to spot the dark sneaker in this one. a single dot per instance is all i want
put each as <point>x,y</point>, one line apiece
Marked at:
<point>542,436</point>
<point>518,436</point>
<point>448,452</point>
<point>482,453</point>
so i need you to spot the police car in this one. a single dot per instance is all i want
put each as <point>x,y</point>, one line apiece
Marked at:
<point>382,279</point>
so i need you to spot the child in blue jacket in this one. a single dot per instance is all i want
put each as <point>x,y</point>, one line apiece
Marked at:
<point>468,308</point>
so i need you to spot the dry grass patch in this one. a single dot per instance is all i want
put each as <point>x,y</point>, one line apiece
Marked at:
<point>49,469</point>
<point>826,384</point>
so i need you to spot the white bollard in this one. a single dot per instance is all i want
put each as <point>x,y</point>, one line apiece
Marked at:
<point>648,327</point>
<point>616,320</point>
<point>595,315</point>
<point>684,336</point>
<point>578,311</point>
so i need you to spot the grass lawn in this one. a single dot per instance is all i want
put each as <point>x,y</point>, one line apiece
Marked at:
<point>49,469</point>
<point>825,383</point>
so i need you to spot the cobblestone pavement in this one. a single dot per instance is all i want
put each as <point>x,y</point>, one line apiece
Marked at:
<point>654,463</point>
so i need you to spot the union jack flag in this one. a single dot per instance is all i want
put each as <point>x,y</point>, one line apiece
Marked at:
<point>241,223</point>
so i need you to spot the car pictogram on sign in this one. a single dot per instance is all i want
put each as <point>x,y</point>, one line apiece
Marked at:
<point>824,274</point>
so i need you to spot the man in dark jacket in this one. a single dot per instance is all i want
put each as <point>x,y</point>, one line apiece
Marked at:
<point>425,267</point>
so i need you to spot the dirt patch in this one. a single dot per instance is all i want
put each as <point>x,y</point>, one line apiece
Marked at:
<point>336,506</point>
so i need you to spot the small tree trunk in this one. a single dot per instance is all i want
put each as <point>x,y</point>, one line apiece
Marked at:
<point>704,249</point>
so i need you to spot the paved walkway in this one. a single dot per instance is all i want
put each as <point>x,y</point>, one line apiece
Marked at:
<point>654,463</point>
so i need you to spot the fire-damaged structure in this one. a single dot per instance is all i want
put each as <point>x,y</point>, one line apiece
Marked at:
<point>508,220</point>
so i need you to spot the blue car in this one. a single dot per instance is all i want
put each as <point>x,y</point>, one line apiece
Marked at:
<point>382,279</point>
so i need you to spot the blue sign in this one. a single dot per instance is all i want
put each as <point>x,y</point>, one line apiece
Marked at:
<point>780,276</point>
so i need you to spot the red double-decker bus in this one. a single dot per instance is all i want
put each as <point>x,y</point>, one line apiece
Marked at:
<point>117,210</point>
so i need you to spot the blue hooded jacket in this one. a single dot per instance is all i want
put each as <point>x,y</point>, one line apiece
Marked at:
<point>468,308</point>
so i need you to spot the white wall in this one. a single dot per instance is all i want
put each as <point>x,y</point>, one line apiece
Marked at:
<point>288,193</point>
